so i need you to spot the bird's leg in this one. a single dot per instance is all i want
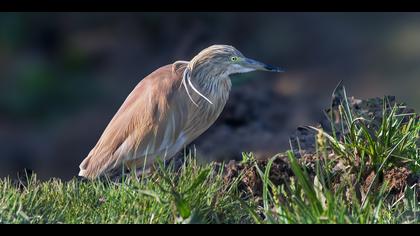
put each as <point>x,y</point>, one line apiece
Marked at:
<point>142,167</point>
<point>141,171</point>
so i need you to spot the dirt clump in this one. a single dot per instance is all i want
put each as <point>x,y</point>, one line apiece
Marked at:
<point>251,180</point>
<point>400,178</point>
<point>304,147</point>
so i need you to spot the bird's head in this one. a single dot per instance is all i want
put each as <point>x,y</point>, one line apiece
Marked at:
<point>216,63</point>
<point>226,60</point>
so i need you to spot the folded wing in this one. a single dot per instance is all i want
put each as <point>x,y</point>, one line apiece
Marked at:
<point>149,122</point>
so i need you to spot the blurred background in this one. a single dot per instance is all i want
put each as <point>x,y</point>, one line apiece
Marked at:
<point>64,75</point>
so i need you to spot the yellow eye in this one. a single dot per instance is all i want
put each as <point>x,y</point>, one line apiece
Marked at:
<point>234,59</point>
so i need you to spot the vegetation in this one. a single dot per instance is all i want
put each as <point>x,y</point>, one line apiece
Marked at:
<point>194,194</point>
<point>364,171</point>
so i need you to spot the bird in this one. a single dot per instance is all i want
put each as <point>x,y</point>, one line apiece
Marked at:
<point>168,110</point>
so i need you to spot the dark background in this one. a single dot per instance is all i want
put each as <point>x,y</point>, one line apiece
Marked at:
<point>64,75</point>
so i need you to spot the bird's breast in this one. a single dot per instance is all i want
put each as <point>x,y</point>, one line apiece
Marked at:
<point>204,114</point>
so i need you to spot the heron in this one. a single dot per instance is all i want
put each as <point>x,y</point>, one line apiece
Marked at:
<point>167,110</point>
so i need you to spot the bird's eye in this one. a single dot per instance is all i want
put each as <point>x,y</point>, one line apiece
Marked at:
<point>234,58</point>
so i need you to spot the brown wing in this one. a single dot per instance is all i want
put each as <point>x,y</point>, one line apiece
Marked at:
<point>140,123</point>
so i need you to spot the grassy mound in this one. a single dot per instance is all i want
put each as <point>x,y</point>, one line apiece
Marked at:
<point>359,165</point>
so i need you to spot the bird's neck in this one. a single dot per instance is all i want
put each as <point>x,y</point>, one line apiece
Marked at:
<point>204,111</point>
<point>212,84</point>
<point>215,86</point>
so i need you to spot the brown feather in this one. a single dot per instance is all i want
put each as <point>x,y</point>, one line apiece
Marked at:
<point>160,116</point>
<point>136,124</point>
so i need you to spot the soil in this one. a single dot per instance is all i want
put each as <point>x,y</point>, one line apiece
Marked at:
<point>280,173</point>
<point>303,145</point>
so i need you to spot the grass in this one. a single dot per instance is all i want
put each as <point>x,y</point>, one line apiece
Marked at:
<point>194,194</point>
<point>376,147</point>
<point>200,193</point>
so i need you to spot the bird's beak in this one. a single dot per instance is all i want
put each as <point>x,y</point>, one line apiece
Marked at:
<point>256,65</point>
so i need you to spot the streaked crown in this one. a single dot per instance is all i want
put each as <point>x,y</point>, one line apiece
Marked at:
<point>214,56</point>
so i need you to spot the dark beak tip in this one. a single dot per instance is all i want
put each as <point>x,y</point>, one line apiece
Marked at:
<point>274,69</point>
